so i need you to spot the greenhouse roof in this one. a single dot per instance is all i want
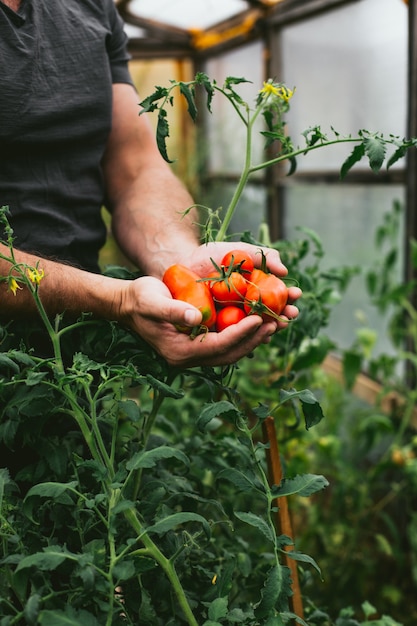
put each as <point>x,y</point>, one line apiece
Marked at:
<point>175,27</point>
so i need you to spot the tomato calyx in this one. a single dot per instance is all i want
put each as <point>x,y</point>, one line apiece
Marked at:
<point>227,286</point>
<point>238,261</point>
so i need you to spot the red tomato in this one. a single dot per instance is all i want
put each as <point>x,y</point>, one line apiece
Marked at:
<point>184,284</point>
<point>266,295</point>
<point>228,288</point>
<point>239,260</point>
<point>229,315</point>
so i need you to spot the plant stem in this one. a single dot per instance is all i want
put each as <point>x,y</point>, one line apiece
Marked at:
<point>249,169</point>
<point>221,235</point>
<point>165,564</point>
<point>298,151</point>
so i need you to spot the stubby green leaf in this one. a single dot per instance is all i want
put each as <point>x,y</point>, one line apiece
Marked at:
<point>212,410</point>
<point>69,617</point>
<point>162,132</point>
<point>218,609</point>
<point>257,522</point>
<point>149,458</point>
<point>244,482</point>
<point>172,521</point>
<point>189,94</point>
<point>355,156</point>
<point>47,560</point>
<point>302,485</point>
<point>202,79</point>
<point>269,594</point>
<point>375,149</point>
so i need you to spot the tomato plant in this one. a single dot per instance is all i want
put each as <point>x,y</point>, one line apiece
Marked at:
<point>228,316</point>
<point>266,295</point>
<point>185,285</point>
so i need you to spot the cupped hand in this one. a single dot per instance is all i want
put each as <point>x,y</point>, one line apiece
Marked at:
<point>200,261</point>
<point>148,309</point>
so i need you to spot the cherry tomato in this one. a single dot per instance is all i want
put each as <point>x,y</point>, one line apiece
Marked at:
<point>228,288</point>
<point>229,315</point>
<point>239,260</point>
<point>185,285</point>
<point>266,295</point>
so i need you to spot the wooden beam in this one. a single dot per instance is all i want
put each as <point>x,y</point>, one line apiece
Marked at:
<point>295,10</point>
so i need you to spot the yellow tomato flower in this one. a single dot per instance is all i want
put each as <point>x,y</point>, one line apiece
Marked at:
<point>286,94</point>
<point>35,275</point>
<point>13,285</point>
<point>269,89</point>
<point>279,91</point>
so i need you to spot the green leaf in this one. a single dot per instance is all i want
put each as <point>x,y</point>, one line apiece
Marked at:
<point>304,558</point>
<point>313,413</point>
<point>162,132</point>
<point>352,364</point>
<point>302,485</point>
<point>172,521</point>
<point>129,409</point>
<point>149,104</point>
<point>163,388</point>
<point>257,522</point>
<point>47,560</point>
<point>188,93</point>
<point>305,395</point>
<point>218,609</point>
<point>7,362</point>
<point>69,617</point>
<point>55,491</point>
<point>149,458</point>
<point>244,482</point>
<point>269,594</point>
<point>50,489</point>
<point>397,155</point>
<point>356,155</point>
<point>124,570</point>
<point>214,410</point>
<point>375,149</point>
<point>4,480</point>
<point>293,165</point>
<point>31,610</point>
<point>22,357</point>
<point>312,353</point>
<point>413,252</point>
<point>202,79</point>
<point>235,80</point>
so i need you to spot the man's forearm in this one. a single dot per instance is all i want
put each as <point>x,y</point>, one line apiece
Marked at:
<point>62,288</point>
<point>152,224</point>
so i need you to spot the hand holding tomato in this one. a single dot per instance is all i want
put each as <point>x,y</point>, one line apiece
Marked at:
<point>201,261</point>
<point>147,308</point>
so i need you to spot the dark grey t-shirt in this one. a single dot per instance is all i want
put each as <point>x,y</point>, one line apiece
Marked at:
<point>58,60</point>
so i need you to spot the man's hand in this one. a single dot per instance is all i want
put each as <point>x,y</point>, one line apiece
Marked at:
<point>200,262</point>
<point>149,310</point>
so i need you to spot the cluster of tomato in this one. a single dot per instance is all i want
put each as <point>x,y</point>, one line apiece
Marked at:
<point>232,291</point>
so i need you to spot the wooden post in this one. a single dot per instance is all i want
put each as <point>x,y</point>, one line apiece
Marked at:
<point>282,518</point>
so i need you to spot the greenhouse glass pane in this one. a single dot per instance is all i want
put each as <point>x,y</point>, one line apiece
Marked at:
<point>250,211</point>
<point>346,219</point>
<point>349,67</point>
<point>187,13</point>
<point>226,132</point>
